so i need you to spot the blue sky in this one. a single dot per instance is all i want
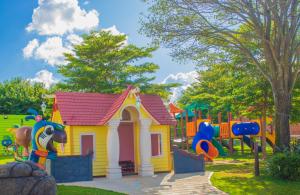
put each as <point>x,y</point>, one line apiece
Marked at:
<point>17,15</point>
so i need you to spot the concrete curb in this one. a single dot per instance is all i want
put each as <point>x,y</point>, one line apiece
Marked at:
<point>209,177</point>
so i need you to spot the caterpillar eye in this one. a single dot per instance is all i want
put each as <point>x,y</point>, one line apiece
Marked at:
<point>49,130</point>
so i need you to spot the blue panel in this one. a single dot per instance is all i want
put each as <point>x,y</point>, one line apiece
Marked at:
<point>249,128</point>
<point>185,162</point>
<point>72,168</point>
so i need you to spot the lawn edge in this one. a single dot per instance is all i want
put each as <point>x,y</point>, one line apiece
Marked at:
<point>210,183</point>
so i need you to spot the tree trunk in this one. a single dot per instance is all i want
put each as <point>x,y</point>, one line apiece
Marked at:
<point>282,100</point>
<point>263,134</point>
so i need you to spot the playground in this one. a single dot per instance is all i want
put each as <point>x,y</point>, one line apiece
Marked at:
<point>150,97</point>
<point>229,150</point>
<point>209,155</point>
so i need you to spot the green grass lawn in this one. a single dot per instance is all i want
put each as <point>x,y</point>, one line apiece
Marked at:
<point>235,175</point>
<point>8,121</point>
<point>76,190</point>
<point>6,159</point>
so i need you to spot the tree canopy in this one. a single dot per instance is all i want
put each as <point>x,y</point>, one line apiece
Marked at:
<point>227,88</point>
<point>18,95</point>
<point>105,63</point>
<point>196,28</point>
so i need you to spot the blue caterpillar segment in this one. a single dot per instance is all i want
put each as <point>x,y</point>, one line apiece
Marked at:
<point>245,128</point>
<point>205,131</point>
<point>202,141</point>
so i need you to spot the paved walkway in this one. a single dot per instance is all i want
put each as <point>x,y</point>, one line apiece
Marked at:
<point>163,183</point>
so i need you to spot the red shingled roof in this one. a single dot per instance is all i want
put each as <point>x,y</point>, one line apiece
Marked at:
<point>156,108</point>
<point>97,109</point>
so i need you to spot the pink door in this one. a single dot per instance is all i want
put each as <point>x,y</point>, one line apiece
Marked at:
<point>87,144</point>
<point>126,142</point>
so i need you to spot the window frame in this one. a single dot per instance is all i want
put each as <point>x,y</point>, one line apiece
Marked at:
<point>94,143</point>
<point>160,144</point>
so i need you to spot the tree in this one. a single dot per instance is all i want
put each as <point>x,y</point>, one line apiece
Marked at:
<point>105,63</point>
<point>194,28</point>
<point>18,95</point>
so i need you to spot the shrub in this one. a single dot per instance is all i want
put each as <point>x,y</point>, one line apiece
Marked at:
<point>285,165</point>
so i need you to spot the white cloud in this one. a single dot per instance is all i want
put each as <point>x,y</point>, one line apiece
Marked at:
<point>28,51</point>
<point>86,2</point>
<point>186,79</point>
<point>57,17</point>
<point>74,39</point>
<point>45,77</point>
<point>52,51</point>
<point>60,22</point>
<point>114,31</point>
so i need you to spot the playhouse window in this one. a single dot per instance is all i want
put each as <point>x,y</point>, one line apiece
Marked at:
<point>156,144</point>
<point>87,146</point>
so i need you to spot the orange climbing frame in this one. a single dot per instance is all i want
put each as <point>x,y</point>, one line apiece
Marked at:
<point>224,130</point>
<point>191,128</point>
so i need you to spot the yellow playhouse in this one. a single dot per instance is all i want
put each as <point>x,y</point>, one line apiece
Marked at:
<point>126,133</point>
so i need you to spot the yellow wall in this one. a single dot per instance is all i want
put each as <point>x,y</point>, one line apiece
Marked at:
<point>100,133</point>
<point>160,163</point>
<point>56,117</point>
<point>72,147</point>
<point>137,159</point>
<point>163,162</point>
<point>130,101</point>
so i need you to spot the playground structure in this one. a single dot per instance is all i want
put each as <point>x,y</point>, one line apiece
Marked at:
<point>193,129</point>
<point>202,142</point>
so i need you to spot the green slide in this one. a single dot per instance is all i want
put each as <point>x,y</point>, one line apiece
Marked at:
<point>219,147</point>
<point>217,131</point>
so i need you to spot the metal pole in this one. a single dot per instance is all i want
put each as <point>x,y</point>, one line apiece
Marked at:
<point>186,130</point>
<point>181,127</point>
<point>256,162</point>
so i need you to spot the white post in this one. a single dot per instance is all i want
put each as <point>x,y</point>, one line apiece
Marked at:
<point>113,150</point>
<point>146,168</point>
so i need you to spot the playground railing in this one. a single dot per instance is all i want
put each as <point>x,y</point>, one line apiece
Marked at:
<point>224,130</point>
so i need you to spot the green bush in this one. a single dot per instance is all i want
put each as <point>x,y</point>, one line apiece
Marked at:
<point>285,165</point>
